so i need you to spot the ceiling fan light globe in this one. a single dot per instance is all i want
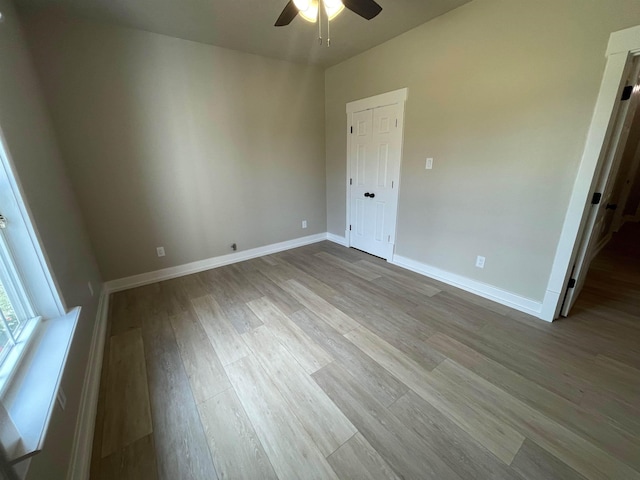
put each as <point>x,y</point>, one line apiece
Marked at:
<point>310,14</point>
<point>302,5</point>
<point>333,8</point>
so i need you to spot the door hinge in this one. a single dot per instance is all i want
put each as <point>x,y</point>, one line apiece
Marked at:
<point>351,129</point>
<point>396,123</point>
<point>389,239</point>
<point>595,200</point>
<point>349,227</point>
<point>572,283</point>
<point>626,93</point>
<point>351,181</point>
<point>391,183</point>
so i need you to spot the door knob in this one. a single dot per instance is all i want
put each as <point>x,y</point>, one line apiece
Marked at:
<point>367,194</point>
<point>371,195</point>
<point>611,206</point>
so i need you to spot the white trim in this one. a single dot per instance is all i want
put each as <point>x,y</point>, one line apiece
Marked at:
<point>389,98</point>
<point>85,424</point>
<point>32,395</point>
<point>624,41</point>
<point>498,295</point>
<point>621,45</point>
<point>337,239</point>
<point>207,264</point>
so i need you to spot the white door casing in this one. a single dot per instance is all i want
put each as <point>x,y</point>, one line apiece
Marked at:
<point>622,45</point>
<point>375,133</point>
<point>600,216</point>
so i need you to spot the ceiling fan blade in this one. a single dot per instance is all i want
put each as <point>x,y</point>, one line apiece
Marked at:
<point>287,15</point>
<point>365,8</point>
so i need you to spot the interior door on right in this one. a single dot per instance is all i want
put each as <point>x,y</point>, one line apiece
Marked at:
<point>601,214</point>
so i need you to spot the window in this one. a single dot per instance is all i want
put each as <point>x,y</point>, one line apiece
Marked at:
<point>15,308</point>
<point>35,328</point>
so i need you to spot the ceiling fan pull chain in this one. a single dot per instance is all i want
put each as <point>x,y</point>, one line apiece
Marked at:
<point>320,22</point>
<point>328,32</point>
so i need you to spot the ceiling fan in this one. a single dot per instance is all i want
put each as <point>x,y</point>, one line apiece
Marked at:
<point>311,10</point>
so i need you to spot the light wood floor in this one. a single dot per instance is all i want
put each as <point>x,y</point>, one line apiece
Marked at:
<point>324,362</point>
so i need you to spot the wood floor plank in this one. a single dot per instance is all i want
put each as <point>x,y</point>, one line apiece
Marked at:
<point>231,297</point>
<point>400,447</point>
<point>498,437</point>
<point>569,447</point>
<point>592,426</point>
<point>401,331</point>
<point>205,372</point>
<point>618,377</point>
<point>533,463</point>
<point>418,285</point>
<point>356,459</point>
<point>285,271</point>
<point>625,415</point>
<point>123,314</point>
<point>334,317</point>
<point>225,339</point>
<point>308,354</point>
<point>342,280</point>
<point>135,461</point>
<point>454,446</point>
<point>181,446</point>
<point>292,453</point>
<point>127,417</point>
<point>511,356</point>
<point>319,416</point>
<point>270,289</point>
<point>352,268</point>
<point>234,445</point>
<point>378,382</point>
<point>171,298</point>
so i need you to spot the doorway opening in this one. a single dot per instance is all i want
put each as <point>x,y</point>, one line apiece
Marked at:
<point>594,214</point>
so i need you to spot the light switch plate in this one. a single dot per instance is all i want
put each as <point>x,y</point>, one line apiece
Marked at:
<point>429,164</point>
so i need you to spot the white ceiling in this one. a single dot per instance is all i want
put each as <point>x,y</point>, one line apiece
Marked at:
<point>247,25</point>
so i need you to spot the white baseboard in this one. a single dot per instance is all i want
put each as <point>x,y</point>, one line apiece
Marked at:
<point>209,263</point>
<point>490,292</point>
<point>332,237</point>
<point>85,425</point>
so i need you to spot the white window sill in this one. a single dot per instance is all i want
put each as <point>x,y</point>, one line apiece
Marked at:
<point>10,364</point>
<point>31,394</point>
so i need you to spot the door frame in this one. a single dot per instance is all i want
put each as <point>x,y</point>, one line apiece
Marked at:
<point>622,45</point>
<point>394,97</point>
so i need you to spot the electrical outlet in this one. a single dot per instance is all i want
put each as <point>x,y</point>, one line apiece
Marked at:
<point>90,288</point>
<point>62,399</point>
<point>304,224</point>
<point>429,164</point>
<point>160,251</point>
<point>480,261</point>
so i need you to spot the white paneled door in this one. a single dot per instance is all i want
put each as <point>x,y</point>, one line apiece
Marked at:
<point>375,154</point>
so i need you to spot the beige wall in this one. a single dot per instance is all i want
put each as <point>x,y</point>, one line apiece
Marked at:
<point>178,144</point>
<point>32,146</point>
<point>501,93</point>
